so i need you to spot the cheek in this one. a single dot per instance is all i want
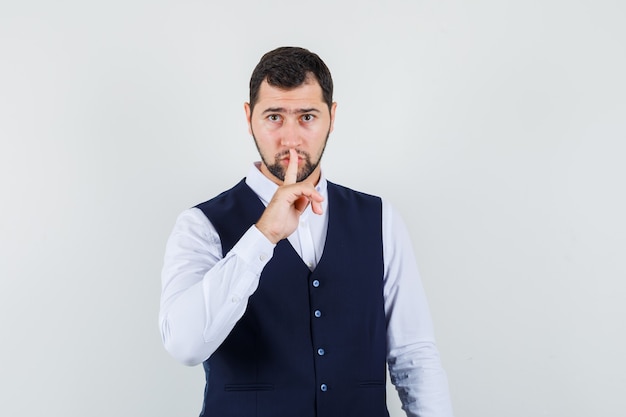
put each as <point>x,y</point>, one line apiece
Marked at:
<point>317,136</point>
<point>265,137</point>
<point>266,140</point>
<point>265,128</point>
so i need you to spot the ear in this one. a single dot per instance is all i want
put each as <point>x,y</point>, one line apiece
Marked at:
<point>333,107</point>
<point>248,110</point>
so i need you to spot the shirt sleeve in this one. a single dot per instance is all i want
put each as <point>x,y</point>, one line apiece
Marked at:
<point>203,294</point>
<point>413,358</point>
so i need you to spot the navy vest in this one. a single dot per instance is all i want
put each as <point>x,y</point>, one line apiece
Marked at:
<point>310,344</point>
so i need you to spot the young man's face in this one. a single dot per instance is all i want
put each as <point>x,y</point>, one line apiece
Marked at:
<point>297,119</point>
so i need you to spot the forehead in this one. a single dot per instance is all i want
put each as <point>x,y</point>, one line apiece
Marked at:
<point>308,92</point>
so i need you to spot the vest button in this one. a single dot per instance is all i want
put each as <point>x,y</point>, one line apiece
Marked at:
<point>324,387</point>
<point>321,352</point>
<point>318,313</point>
<point>316,283</point>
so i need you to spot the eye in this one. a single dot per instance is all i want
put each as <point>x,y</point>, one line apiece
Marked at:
<point>308,117</point>
<point>273,118</point>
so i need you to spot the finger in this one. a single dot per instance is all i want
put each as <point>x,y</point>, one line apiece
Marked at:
<point>316,206</point>
<point>291,175</point>
<point>301,204</point>
<point>303,195</point>
<point>315,199</point>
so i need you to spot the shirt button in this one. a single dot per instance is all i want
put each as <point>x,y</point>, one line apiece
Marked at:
<point>316,283</point>
<point>235,299</point>
<point>318,313</point>
<point>324,387</point>
<point>321,352</point>
<point>262,257</point>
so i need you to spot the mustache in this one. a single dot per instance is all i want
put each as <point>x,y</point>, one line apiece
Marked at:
<point>284,154</point>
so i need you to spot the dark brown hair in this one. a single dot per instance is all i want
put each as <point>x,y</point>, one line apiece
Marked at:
<point>288,67</point>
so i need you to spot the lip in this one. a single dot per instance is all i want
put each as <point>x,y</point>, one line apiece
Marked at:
<point>287,159</point>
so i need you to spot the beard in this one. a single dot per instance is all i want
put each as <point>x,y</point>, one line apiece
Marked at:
<point>304,170</point>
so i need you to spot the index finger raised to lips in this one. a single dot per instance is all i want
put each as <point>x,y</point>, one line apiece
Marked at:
<point>291,175</point>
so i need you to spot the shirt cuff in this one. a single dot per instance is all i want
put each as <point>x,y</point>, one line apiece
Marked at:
<point>254,249</point>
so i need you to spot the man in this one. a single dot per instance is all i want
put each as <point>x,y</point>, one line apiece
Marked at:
<point>295,292</point>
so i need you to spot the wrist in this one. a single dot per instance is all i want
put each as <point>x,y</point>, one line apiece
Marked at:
<point>273,237</point>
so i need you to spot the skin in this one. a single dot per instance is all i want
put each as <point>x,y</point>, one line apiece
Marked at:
<point>290,128</point>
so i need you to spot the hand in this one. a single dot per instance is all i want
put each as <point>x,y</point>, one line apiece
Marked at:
<point>281,217</point>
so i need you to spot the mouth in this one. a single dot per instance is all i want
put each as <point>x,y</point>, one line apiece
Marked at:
<point>285,163</point>
<point>287,158</point>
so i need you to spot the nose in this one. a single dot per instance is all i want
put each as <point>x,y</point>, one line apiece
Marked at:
<point>290,134</point>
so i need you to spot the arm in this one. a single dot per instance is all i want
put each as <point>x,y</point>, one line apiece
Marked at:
<point>204,295</point>
<point>413,358</point>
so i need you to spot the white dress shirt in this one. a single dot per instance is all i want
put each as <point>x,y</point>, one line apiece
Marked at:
<point>204,294</point>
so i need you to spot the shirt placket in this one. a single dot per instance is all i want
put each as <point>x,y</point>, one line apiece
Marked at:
<point>307,246</point>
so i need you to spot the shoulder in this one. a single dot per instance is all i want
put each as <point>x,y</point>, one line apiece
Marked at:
<point>223,196</point>
<point>193,221</point>
<point>389,212</point>
<point>346,192</point>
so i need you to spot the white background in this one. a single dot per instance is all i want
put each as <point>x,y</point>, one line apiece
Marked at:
<point>496,128</point>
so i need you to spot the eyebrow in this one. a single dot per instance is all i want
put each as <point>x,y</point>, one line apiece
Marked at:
<point>295,111</point>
